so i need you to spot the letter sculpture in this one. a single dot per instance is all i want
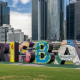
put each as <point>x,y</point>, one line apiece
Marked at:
<point>43,52</point>
<point>68,52</point>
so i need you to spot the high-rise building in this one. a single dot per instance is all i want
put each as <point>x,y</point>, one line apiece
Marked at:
<point>53,20</point>
<point>42,19</point>
<point>73,21</point>
<point>34,19</point>
<point>25,37</point>
<point>77,20</point>
<point>4,13</point>
<point>77,0</point>
<point>39,20</point>
<point>63,11</point>
<point>48,20</point>
<point>3,32</point>
<point>70,21</point>
<point>61,19</point>
<point>16,36</point>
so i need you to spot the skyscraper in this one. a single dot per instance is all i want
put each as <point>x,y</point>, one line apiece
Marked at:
<point>63,11</point>
<point>4,13</point>
<point>48,20</point>
<point>70,21</point>
<point>73,21</point>
<point>34,19</point>
<point>77,20</point>
<point>61,19</point>
<point>42,20</point>
<point>77,0</point>
<point>53,20</point>
<point>39,19</point>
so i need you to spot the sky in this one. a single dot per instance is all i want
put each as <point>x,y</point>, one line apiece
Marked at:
<point>20,15</point>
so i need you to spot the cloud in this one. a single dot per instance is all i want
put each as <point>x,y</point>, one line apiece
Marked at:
<point>25,1</point>
<point>15,3</point>
<point>4,0</point>
<point>21,9</point>
<point>21,21</point>
<point>18,9</point>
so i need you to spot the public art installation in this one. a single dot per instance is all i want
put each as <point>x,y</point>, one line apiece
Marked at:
<point>43,52</point>
<point>14,52</point>
<point>27,55</point>
<point>68,52</point>
<point>4,49</point>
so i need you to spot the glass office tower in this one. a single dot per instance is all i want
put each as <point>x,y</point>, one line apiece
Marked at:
<point>4,13</point>
<point>49,20</point>
<point>70,21</point>
<point>34,19</point>
<point>77,20</point>
<point>61,20</point>
<point>53,20</point>
<point>73,21</point>
<point>39,18</point>
<point>42,19</point>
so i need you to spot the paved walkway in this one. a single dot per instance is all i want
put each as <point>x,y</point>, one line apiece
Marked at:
<point>45,65</point>
<point>26,64</point>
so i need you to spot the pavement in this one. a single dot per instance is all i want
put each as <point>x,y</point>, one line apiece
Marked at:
<point>43,65</point>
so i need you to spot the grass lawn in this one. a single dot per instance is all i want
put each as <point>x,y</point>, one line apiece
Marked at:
<point>66,62</point>
<point>19,72</point>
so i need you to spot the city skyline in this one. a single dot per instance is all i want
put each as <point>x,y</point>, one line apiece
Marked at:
<point>54,10</point>
<point>20,15</point>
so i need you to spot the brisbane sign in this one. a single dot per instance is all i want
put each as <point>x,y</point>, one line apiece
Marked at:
<point>40,52</point>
